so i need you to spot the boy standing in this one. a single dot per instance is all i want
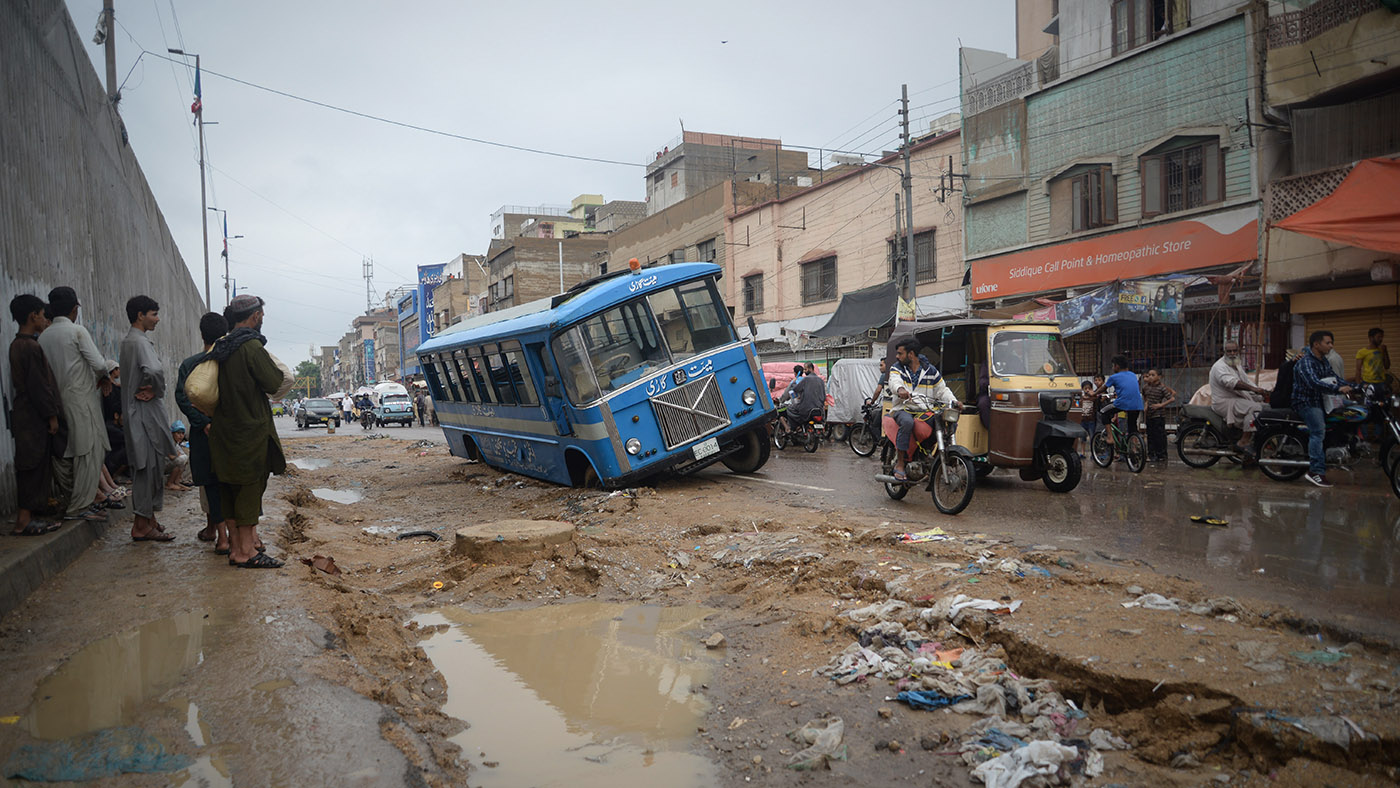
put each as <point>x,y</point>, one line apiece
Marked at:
<point>1156,396</point>
<point>36,416</point>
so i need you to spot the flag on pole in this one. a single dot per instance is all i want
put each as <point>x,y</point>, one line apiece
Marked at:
<point>198,103</point>
<point>225,252</point>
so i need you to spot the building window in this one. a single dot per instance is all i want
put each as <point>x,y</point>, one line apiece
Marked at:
<point>509,286</point>
<point>1136,22</point>
<point>705,250</point>
<point>678,255</point>
<point>753,293</point>
<point>675,179</point>
<point>925,264</point>
<point>1179,178</point>
<point>1085,196</point>
<point>819,281</point>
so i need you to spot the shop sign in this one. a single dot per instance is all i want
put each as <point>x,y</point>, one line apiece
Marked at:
<point>1183,245</point>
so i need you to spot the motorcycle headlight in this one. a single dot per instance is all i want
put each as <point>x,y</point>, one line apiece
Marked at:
<point>1395,401</point>
<point>634,446</point>
<point>750,397</point>
<point>951,415</point>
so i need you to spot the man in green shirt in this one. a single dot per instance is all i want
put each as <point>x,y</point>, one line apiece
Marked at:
<point>243,441</point>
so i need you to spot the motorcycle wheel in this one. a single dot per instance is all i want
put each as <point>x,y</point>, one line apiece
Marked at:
<point>1390,456</point>
<point>1395,479</point>
<point>1197,436</point>
<point>1101,449</point>
<point>1282,444</point>
<point>862,440</point>
<point>1063,469</point>
<point>1136,454</point>
<point>754,454</point>
<point>953,482</point>
<point>780,434</point>
<point>811,440</point>
<point>895,491</point>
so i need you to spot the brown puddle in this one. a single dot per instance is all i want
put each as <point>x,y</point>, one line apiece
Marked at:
<point>106,682</point>
<point>582,694</point>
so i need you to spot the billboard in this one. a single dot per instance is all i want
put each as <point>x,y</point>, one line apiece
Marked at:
<point>369,361</point>
<point>1143,301</point>
<point>429,277</point>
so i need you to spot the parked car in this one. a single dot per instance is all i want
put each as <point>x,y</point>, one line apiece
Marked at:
<point>316,411</point>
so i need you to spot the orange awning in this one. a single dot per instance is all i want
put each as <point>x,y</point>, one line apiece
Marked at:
<point>1364,211</point>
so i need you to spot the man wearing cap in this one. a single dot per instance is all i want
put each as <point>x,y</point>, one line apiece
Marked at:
<point>242,438</point>
<point>149,444</point>
<point>80,371</point>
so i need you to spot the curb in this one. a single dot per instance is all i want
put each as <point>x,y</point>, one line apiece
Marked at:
<point>27,561</point>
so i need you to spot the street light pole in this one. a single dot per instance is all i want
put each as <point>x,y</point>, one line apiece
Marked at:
<point>203,200</point>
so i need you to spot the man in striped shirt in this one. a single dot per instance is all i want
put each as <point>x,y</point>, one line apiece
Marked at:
<point>1312,377</point>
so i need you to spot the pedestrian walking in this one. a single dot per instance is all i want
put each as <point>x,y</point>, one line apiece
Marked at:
<point>36,416</point>
<point>81,374</point>
<point>1157,397</point>
<point>211,326</point>
<point>243,441</point>
<point>1088,418</point>
<point>420,407</point>
<point>149,444</point>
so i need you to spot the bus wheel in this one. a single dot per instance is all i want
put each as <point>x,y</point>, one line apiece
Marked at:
<point>753,455</point>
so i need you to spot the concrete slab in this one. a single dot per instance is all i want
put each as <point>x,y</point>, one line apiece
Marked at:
<point>511,541</point>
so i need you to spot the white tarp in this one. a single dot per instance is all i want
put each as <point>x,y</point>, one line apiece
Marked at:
<point>852,380</point>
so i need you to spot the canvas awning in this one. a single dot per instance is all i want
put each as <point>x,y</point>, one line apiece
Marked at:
<point>862,310</point>
<point>1363,211</point>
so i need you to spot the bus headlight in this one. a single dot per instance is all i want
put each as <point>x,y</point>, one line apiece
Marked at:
<point>750,397</point>
<point>634,446</point>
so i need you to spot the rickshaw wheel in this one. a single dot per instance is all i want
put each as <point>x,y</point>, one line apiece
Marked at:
<point>1063,469</point>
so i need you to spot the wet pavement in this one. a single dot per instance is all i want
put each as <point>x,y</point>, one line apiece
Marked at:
<point>585,694</point>
<point>1329,553</point>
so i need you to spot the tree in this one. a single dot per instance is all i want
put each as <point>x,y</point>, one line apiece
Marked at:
<point>309,370</point>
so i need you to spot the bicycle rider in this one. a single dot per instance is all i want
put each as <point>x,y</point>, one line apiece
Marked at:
<point>1127,393</point>
<point>915,385</point>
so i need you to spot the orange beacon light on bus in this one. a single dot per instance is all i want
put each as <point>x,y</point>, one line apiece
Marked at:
<point>635,265</point>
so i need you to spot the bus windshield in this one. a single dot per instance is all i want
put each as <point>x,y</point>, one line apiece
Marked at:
<point>618,347</point>
<point>1022,353</point>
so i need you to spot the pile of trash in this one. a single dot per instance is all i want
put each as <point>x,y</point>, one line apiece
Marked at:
<point>1027,728</point>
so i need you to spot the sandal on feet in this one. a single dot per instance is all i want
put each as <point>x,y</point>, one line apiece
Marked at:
<point>35,528</point>
<point>901,476</point>
<point>205,535</point>
<point>154,536</point>
<point>221,551</point>
<point>261,561</point>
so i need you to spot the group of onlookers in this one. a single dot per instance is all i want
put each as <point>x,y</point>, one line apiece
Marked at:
<point>78,419</point>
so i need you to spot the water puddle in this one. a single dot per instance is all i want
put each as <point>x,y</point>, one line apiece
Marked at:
<point>310,464</point>
<point>337,496</point>
<point>104,684</point>
<point>586,694</point>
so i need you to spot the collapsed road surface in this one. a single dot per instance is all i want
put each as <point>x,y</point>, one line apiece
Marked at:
<point>793,627</point>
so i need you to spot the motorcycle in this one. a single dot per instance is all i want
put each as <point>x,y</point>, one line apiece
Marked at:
<point>807,434</point>
<point>1203,438</point>
<point>366,418</point>
<point>864,437</point>
<point>945,467</point>
<point>1282,436</point>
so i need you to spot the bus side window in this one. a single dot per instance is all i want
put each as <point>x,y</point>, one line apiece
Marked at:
<point>446,367</point>
<point>476,370</point>
<point>500,379</point>
<point>575,368</point>
<point>520,377</point>
<point>430,371</point>
<point>458,359</point>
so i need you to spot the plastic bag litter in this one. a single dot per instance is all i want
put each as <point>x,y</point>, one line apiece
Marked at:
<point>1039,758</point>
<point>104,753</point>
<point>990,701</point>
<point>951,607</point>
<point>1104,740</point>
<point>929,700</point>
<point>1155,602</point>
<point>1260,656</point>
<point>893,610</point>
<point>823,739</point>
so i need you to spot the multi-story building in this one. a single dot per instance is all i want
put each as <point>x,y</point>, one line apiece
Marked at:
<point>791,260</point>
<point>366,367</point>
<point>614,215</point>
<point>330,354</point>
<point>694,162</point>
<point>349,360</point>
<point>1113,149</point>
<point>1331,89</point>
<point>521,270</point>
<point>692,230</point>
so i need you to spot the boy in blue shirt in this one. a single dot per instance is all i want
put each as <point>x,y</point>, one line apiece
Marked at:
<point>1128,396</point>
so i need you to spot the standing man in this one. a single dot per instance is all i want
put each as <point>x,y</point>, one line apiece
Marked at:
<point>420,407</point>
<point>211,326</point>
<point>34,419</point>
<point>80,372</point>
<point>148,440</point>
<point>347,408</point>
<point>1312,377</point>
<point>915,384</point>
<point>1232,396</point>
<point>243,442</point>
<point>1127,394</point>
<point>1156,396</point>
<point>1373,361</point>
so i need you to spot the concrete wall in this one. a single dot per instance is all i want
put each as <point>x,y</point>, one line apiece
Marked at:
<point>682,226</point>
<point>1086,30</point>
<point>75,208</point>
<point>1360,46</point>
<point>534,262</point>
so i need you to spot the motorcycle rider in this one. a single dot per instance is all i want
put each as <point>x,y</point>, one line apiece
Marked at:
<point>1312,377</point>
<point>808,394</point>
<point>1233,396</point>
<point>915,384</point>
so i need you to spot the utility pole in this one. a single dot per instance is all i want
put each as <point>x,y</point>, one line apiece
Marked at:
<point>367,266</point>
<point>910,264</point>
<point>198,109</point>
<point>109,28</point>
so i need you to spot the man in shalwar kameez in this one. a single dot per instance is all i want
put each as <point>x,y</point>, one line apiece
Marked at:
<point>148,440</point>
<point>79,371</point>
<point>35,418</point>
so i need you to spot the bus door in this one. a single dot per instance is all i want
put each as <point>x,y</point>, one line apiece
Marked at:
<point>554,403</point>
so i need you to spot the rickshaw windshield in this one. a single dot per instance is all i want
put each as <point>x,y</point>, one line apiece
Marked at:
<point>1026,353</point>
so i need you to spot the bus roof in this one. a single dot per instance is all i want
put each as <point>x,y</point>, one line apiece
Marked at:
<point>538,316</point>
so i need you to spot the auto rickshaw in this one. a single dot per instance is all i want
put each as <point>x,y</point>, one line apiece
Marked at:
<point>1018,391</point>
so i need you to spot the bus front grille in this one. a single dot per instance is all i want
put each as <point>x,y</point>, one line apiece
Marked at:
<point>690,411</point>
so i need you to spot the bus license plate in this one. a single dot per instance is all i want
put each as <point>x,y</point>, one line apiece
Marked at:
<point>704,449</point>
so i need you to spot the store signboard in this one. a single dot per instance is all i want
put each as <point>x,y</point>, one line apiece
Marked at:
<point>1187,244</point>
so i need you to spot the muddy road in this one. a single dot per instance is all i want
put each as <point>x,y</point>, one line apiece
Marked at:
<point>718,631</point>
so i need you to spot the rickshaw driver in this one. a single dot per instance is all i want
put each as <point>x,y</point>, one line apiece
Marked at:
<point>915,385</point>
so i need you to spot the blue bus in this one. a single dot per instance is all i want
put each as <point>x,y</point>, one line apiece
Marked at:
<point>621,378</point>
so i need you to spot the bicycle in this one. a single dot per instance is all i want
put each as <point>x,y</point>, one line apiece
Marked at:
<point>1111,439</point>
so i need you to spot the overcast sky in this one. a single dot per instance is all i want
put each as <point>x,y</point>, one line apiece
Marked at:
<point>313,189</point>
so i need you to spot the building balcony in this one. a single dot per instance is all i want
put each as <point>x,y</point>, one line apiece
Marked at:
<point>1007,87</point>
<point>1297,27</point>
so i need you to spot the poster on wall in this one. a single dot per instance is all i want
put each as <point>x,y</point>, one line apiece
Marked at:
<point>1084,312</point>
<point>1140,300</point>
